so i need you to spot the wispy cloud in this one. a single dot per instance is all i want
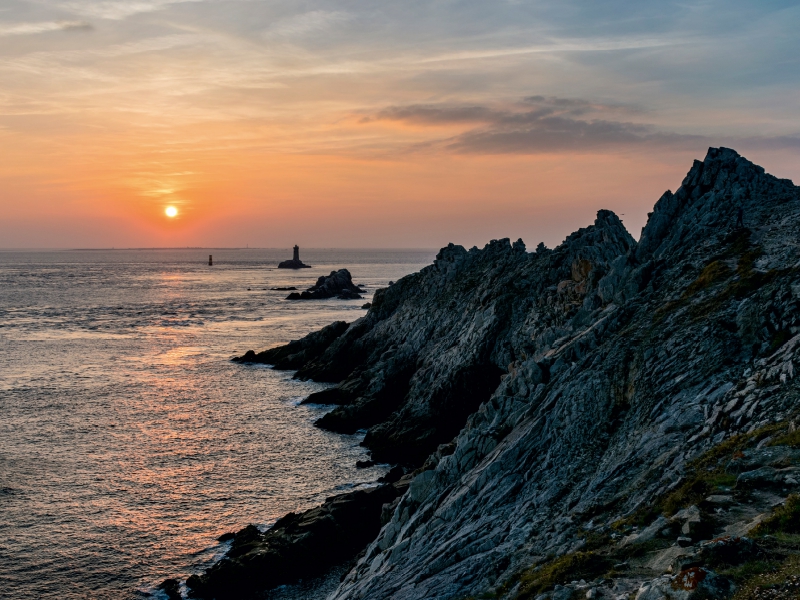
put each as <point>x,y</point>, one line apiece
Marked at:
<point>551,134</point>
<point>117,9</point>
<point>306,23</point>
<point>547,124</point>
<point>43,27</point>
<point>554,46</point>
<point>534,125</point>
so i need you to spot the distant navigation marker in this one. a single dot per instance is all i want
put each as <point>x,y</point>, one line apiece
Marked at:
<point>210,261</point>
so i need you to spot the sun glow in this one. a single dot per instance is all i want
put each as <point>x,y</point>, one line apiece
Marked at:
<point>171,211</point>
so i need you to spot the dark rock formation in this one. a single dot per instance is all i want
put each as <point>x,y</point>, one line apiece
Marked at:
<point>620,369</point>
<point>548,396</point>
<point>298,545</point>
<point>298,352</point>
<point>172,588</point>
<point>295,262</point>
<point>339,284</point>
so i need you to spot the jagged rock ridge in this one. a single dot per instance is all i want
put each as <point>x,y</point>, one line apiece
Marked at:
<point>597,369</point>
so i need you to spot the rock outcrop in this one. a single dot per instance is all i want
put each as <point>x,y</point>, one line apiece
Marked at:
<point>297,545</point>
<point>295,262</point>
<point>550,401</point>
<point>339,284</point>
<point>297,352</point>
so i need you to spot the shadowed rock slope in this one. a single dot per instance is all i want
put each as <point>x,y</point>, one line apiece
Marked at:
<point>551,395</point>
<point>434,345</point>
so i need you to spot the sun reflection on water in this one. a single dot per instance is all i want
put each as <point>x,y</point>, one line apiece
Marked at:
<point>130,441</point>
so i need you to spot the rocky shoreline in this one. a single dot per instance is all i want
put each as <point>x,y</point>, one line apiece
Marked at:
<point>599,420</point>
<point>298,546</point>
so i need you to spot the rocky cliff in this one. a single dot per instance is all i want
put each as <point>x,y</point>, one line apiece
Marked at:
<point>551,401</point>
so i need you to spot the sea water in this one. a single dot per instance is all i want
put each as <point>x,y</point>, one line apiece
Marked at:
<point>128,439</point>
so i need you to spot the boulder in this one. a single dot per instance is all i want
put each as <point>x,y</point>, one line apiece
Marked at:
<point>339,284</point>
<point>769,477</point>
<point>693,525</point>
<point>648,533</point>
<point>695,583</point>
<point>728,551</point>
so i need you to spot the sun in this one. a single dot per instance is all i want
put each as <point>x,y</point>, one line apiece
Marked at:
<point>171,211</point>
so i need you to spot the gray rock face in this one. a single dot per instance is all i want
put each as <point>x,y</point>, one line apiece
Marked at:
<point>696,582</point>
<point>434,345</point>
<point>547,393</point>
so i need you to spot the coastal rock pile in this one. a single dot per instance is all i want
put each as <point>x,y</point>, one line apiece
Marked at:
<point>297,545</point>
<point>339,284</point>
<point>584,420</point>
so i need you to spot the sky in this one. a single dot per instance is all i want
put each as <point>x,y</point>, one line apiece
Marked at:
<point>337,123</point>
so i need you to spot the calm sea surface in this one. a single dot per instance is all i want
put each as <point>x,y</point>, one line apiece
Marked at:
<point>128,440</point>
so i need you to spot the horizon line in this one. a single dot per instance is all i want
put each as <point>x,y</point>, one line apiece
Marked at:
<point>115,249</point>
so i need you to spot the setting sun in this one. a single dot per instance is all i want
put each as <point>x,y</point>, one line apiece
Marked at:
<point>171,211</point>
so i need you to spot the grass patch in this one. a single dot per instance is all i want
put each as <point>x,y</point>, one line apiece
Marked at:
<point>775,581</point>
<point>779,339</point>
<point>561,570</point>
<point>596,539</point>
<point>784,518</point>
<point>737,242</point>
<point>713,273</point>
<point>747,571</point>
<point>705,475</point>
<point>748,281</point>
<point>791,439</point>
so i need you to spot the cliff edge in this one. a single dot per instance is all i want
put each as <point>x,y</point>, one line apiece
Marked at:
<point>552,399</point>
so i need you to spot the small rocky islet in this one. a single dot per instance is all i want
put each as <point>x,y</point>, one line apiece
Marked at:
<point>339,284</point>
<point>607,419</point>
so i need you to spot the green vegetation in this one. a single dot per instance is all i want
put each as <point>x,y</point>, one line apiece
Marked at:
<point>766,579</point>
<point>791,439</point>
<point>779,535</point>
<point>561,570</point>
<point>784,518</point>
<point>714,272</point>
<point>779,339</point>
<point>705,475</point>
<point>748,281</point>
<point>740,574</point>
<point>777,574</point>
<point>737,243</point>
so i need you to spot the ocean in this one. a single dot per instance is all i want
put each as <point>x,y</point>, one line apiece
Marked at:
<point>128,439</point>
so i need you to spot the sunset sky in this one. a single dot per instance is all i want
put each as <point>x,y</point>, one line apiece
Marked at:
<point>365,124</point>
